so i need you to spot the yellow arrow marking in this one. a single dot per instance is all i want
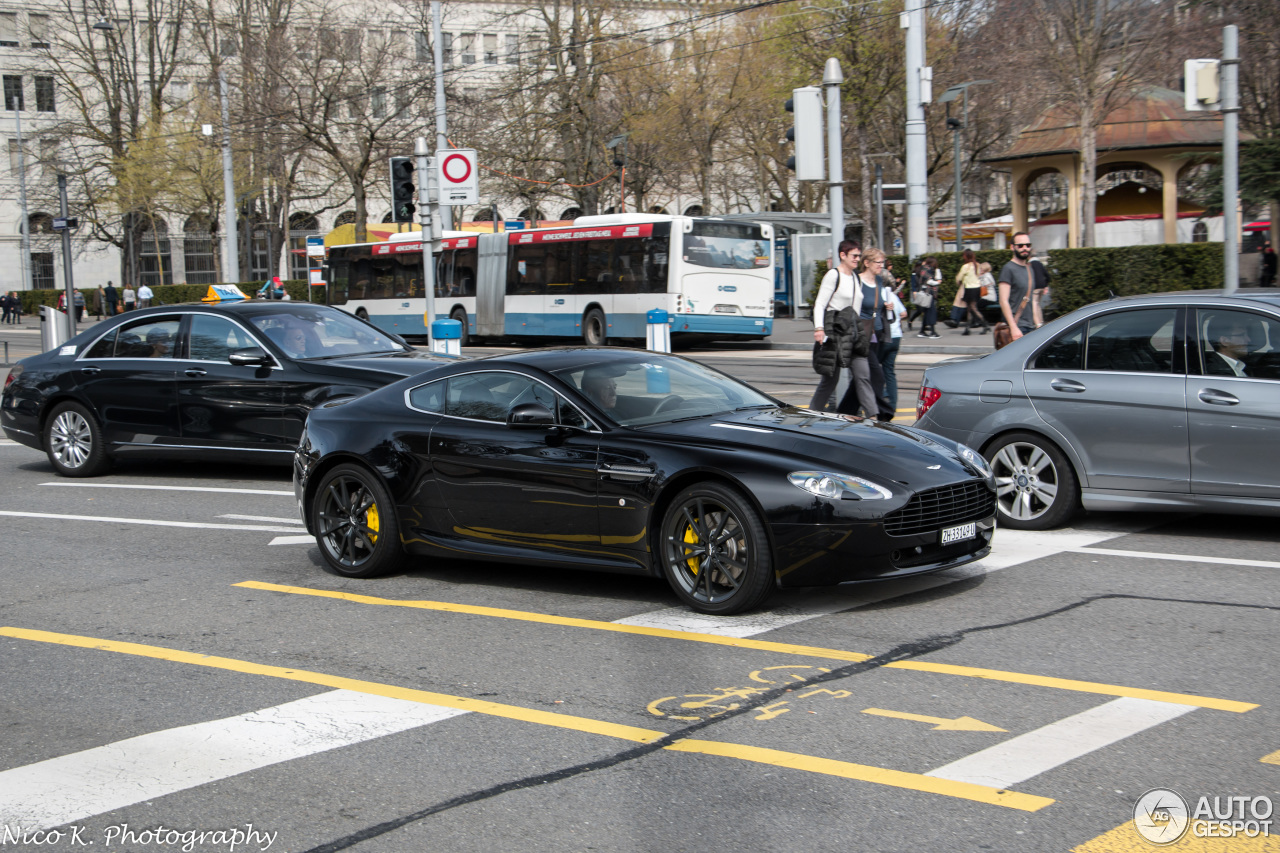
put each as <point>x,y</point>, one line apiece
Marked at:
<point>941,724</point>
<point>1273,758</point>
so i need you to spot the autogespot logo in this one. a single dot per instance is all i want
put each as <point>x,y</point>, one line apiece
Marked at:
<point>1161,816</point>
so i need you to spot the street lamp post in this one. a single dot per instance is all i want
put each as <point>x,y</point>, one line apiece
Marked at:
<point>960,90</point>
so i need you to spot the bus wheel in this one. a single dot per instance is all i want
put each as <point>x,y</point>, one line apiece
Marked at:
<point>594,331</point>
<point>461,316</point>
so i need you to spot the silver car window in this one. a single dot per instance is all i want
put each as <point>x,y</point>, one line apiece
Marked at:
<point>1238,343</point>
<point>1132,341</point>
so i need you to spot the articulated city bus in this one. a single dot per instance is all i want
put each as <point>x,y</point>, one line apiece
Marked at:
<point>595,280</point>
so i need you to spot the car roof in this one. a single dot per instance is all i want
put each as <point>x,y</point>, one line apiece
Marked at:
<point>1246,295</point>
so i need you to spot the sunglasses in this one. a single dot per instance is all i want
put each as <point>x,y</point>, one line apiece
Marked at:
<point>1022,245</point>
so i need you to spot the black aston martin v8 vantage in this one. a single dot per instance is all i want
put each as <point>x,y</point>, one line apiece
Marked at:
<point>633,462</point>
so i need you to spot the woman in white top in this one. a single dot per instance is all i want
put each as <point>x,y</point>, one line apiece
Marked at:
<point>841,289</point>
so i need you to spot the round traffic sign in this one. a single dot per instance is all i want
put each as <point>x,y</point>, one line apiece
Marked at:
<point>451,170</point>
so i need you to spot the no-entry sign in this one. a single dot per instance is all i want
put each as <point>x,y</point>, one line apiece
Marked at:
<point>459,178</point>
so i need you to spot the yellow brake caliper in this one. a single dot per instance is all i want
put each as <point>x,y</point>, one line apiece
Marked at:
<point>371,521</point>
<point>690,538</point>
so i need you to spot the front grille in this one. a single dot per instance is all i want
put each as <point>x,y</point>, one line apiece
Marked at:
<point>934,509</point>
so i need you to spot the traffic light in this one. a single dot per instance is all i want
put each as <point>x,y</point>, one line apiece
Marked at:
<point>806,133</point>
<point>404,194</point>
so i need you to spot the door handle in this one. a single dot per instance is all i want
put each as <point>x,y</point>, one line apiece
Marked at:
<point>91,370</point>
<point>1217,398</point>
<point>193,372</point>
<point>1068,385</point>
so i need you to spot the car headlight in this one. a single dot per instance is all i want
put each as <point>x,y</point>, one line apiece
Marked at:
<point>975,460</point>
<point>836,486</point>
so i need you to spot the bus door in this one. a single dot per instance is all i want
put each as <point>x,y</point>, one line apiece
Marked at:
<point>565,277</point>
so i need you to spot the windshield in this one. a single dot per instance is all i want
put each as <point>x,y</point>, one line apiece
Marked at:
<point>651,389</point>
<point>724,245</point>
<point>319,332</point>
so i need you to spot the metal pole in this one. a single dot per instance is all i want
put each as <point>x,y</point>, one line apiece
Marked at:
<point>880,207</point>
<point>442,124</point>
<point>1230,159</point>
<point>832,77</point>
<point>230,235</point>
<point>956,161</point>
<point>917,165</point>
<point>422,149</point>
<point>25,245</point>
<point>66,259</point>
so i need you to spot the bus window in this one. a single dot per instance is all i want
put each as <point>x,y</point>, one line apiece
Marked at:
<point>408,277</point>
<point>724,245</point>
<point>361,276</point>
<point>597,273</point>
<point>339,274</point>
<point>467,260</point>
<point>527,275</point>
<point>559,267</point>
<point>384,280</point>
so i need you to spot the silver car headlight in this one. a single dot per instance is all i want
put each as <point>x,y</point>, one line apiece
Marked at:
<point>975,460</point>
<point>837,486</point>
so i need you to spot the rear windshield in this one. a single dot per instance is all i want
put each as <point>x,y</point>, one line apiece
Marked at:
<point>726,245</point>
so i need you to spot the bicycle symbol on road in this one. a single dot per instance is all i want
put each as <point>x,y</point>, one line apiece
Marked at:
<point>694,707</point>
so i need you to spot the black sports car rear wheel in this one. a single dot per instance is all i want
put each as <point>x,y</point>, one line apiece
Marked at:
<point>714,551</point>
<point>74,443</point>
<point>355,524</point>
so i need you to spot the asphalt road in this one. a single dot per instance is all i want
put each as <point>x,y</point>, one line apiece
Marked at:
<point>175,658</point>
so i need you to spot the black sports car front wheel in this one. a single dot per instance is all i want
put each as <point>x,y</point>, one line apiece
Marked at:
<point>355,523</point>
<point>714,551</point>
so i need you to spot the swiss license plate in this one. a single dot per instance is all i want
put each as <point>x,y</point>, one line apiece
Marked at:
<point>959,533</point>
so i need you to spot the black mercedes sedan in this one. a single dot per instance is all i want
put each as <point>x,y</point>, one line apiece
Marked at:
<point>222,381</point>
<point>633,462</point>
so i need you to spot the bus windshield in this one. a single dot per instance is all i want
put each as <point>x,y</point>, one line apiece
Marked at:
<point>725,245</point>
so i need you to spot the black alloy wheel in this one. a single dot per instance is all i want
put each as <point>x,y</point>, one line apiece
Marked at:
<point>461,316</point>
<point>1036,486</point>
<point>355,524</point>
<point>714,552</point>
<point>73,442</point>
<point>594,331</point>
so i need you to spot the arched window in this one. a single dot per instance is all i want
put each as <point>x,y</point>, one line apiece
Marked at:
<point>571,213</point>
<point>484,214</point>
<point>693,210</point>
<point>41,223</point>
<point>387,217</point>
<point>199,250</point>
<point>1200,233</point>
<point>301,226</point>
<point>155,266</point>
<point>529,214</point>
<point>657,208</point>
<point>347,217</point>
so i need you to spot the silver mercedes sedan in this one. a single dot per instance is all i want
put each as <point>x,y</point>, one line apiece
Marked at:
<point>1160,402</point>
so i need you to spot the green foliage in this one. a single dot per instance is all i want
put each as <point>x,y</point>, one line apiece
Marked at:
<point>167,294</point>
<point>1082,276</point>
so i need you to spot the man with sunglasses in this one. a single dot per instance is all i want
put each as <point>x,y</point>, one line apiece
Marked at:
<point>1019,287</point>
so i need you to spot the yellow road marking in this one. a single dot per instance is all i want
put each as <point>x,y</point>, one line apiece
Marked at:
<point>525,616</point>
<point>781,648</point>
<point>864,773</point>
<point>757,755</point>
<point>940,724</point>
<point>1078,686</point>
<point>1273,758</point>
<point>1125,839</point>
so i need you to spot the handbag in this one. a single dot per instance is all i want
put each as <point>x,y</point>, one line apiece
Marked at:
<point>922,298</point>
<point>1001,334</point>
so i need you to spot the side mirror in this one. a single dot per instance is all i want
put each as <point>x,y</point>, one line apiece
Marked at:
<point>249,357</point>
<point>530,415</point>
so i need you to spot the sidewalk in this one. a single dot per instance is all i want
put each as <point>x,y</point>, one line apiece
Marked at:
<point>792,334</point>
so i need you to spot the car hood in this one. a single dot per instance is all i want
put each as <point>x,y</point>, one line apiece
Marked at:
<point>397,365</point>
<point>911,457</point>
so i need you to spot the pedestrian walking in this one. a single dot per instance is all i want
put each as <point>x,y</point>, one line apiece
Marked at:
<point>875,317</point>
<point>969,281</point>
<point>130,297</point>
<point>6,306</point>
<point>15,308</point>
<point>1268,277</point>
<point>889,346</point>
<point>837,328</point>
<point>927,297</point>
<point>77,299</point>
<point>1021,281</point>
<point>111,298</point>
<point>144,296</point>
<point>98,301</point>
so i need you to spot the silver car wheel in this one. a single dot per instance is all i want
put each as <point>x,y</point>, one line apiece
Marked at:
<point>71,438</point>
<point>1026,481</point>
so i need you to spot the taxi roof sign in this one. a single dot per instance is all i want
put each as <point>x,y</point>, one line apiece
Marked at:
<point>224,293</point>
